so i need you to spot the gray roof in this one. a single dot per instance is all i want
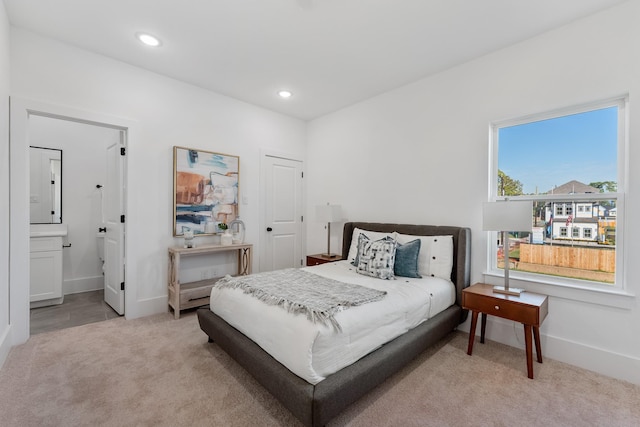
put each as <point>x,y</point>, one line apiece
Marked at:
<point>574,187</point>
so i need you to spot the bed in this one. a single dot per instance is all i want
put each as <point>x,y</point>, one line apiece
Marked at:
<point>315,404</point>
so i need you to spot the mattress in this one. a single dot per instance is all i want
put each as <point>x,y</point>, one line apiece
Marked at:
<point>314,351</point>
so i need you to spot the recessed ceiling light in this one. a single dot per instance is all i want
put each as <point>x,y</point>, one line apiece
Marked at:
<point>148,39</point>
<point>284,94</point>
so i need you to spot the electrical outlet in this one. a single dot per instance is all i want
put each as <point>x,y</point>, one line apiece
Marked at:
<point>208,273</point>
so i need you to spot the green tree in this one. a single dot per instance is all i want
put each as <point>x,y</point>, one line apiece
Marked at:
<point>508,186</point>
<point>605,186</point>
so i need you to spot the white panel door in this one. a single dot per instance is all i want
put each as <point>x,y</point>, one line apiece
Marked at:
<point>114,238</point>
<point>282,215</point>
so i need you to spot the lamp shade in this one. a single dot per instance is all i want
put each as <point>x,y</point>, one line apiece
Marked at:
<point>328,213</point>
<point>507,216</point>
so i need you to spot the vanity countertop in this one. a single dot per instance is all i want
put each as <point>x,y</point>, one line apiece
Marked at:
<point>48,230</point>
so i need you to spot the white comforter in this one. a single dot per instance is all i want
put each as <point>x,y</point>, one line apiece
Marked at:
<point>314,351</point>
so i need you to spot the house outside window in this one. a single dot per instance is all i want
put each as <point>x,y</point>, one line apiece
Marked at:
<point>570,164</point>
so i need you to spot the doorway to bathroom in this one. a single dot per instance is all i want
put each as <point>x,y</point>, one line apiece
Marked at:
<point>93,198</point>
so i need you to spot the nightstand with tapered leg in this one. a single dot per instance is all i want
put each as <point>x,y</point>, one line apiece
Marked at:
<point>318,259</point>
<point>528,308</point>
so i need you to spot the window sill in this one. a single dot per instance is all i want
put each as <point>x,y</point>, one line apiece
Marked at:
<point>572,291</point>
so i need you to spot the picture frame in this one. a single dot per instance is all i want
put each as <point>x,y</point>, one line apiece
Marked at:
<point>205,190</point>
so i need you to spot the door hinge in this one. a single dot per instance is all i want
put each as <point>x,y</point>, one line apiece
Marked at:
<point>122,286</point>
<point>122,219</point>
<point>302,174</point>
<point>123,151</point>
<point>301,218</point>
<point>52,182</point>
<point>301,263</point>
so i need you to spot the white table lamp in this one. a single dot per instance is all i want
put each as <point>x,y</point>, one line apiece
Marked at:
<point>329,213</point>
<point>507,216</point>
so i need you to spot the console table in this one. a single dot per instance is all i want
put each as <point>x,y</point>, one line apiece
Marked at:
<point>196,294</point>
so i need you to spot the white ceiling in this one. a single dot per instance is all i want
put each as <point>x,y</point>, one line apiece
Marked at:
<point>329,53</point>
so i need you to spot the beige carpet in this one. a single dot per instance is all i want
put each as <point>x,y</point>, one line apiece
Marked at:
<point>161,372</point>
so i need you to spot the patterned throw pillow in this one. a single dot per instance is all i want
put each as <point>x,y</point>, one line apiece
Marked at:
<point>355,242</point>
<point>377,258</point>
<point>406,264</point>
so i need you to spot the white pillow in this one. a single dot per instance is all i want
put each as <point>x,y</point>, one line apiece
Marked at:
<point>372,235</point>
<point>436,254</point>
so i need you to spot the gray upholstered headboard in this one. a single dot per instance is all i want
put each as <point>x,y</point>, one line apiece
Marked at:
<point>460,274</point>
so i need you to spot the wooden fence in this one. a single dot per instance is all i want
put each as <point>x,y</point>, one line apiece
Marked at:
<point>593,259</point>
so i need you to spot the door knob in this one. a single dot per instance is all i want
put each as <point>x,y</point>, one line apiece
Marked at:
<point>269,229</point>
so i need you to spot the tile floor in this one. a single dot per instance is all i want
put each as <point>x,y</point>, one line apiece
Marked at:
<point>77,309</point>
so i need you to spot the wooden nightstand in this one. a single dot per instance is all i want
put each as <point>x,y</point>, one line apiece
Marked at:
<point>318,259</point>
<point>528,308</point>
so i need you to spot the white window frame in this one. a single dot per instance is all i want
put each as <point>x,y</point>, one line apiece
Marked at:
<point>615,295</point>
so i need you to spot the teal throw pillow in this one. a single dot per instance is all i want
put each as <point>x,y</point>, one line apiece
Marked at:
<point>406,263</point>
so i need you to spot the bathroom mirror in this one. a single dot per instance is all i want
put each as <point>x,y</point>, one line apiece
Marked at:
<point>45,197</point>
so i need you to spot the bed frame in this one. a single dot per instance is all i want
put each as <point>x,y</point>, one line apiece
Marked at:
<point>316,405</point>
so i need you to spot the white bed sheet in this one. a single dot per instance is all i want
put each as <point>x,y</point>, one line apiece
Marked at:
<point>314,351</point>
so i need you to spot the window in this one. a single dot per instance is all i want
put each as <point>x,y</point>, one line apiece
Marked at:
<point>570,164</point>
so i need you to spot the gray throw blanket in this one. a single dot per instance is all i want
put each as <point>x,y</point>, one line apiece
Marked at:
<point>301,292</point>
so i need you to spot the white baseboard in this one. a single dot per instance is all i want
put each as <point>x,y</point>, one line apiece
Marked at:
<point>605,362</point>
<point>594,359</point>
<point>83,284</point>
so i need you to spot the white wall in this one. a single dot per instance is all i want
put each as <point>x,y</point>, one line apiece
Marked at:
<point>84,153</point>
<point>163,113</point>
<point>5,339</point>
<point>419,154</point>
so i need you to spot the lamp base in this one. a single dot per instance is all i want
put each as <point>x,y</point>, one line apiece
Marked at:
<point>510,291</point>
<point>330,256</point>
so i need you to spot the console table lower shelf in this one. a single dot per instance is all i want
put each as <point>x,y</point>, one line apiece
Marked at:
<point>195,294</point>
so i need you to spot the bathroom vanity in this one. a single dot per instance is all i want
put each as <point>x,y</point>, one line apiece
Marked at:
<point>45,250</point>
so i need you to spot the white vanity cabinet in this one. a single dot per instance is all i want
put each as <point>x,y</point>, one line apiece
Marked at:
<point>45,269</point>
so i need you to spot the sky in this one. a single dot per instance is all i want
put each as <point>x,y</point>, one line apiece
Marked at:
<point>545,154</point>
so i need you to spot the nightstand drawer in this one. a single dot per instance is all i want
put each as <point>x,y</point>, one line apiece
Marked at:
<point>511,310</point>
<point>321,259</point>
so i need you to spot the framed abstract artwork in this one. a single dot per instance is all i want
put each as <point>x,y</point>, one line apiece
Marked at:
<point>205,191</point>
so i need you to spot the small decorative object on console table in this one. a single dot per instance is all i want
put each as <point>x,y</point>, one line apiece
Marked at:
<point>196,294</point>
<point>318,259</point>
<point>237,230</point>
<point>507,216</point>
<point>528,308</point>
<point>226,238</point>
<point>188,239</point>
